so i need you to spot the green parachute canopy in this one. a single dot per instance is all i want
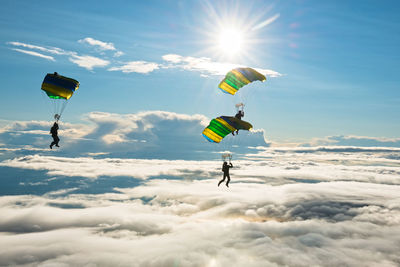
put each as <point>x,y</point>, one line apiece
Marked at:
<point>239,77</point>
<point>222,126</point>
<point>59,87</point>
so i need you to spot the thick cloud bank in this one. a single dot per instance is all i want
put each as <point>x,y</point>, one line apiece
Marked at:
<point>132,190</point>
<point>284,207</point>
<point>150,134</point>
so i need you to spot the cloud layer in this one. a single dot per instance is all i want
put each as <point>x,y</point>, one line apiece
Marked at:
<point>203,65</point>
<point>103,199</point>
<point>150,134</point>
<point>270,216</point>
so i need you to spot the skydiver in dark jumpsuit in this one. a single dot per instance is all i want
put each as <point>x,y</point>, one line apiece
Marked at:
<point>239,116</point>
<point>225,169</point>
<point>54,134</point>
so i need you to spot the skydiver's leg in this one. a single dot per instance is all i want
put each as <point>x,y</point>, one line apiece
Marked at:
<point>229,179</point>
<point>53,143</point>
<point>222,180</point>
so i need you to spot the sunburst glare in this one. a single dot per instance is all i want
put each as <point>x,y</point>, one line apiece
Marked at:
<point>233,34</point>
<point>230,41</point>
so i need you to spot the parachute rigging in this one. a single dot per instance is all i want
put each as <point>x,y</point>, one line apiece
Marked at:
<point>59,90</point>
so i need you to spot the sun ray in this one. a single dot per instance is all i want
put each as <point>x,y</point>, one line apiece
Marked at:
<point>230,32</point>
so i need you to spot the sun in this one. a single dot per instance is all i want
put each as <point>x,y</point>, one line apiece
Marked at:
<point>230,41</point>
<point>232,33</point>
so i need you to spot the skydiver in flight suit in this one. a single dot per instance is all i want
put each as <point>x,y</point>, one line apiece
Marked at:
<point>54,134</point>
<point>225,169</point>
<point>239,116</point>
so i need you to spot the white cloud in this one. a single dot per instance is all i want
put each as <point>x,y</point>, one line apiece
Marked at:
<point>51,50</point>
<point>136,66</point>
<point>118,54</point>
<point>352,140</point>
<point>100,44</point>
<point>204,64</point>
<point>33,53</point>
<point>173,58</point>
<point>94,168</point>
<point>307,206</point>
<point>88,62</point>
<point>195,223</point>
<point>156,134</point>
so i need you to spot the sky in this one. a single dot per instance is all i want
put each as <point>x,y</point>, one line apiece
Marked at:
<point>134,183</point>
<point>331,66</point>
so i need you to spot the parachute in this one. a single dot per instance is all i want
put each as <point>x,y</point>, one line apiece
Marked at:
<point>239,77</point>
<point>59,89</point>
<point>222,126</point>
<point>227,156</point>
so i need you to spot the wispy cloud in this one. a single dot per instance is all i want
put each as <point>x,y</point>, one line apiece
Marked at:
<point>85,61</point>
<point>51,50</point>
<point>101,46</point>
<point>33,53</point>
<point>97,43</point>
<point>266,22</point>
<point>352,140</point>
<point>118,54</point>
<point>206,65</point>
<point>136,66</point>
<point>89,62</point>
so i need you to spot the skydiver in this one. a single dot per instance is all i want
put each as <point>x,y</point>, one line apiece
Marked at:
<point>225,169</point>
<point>238,116</point>
<point>54,134</point>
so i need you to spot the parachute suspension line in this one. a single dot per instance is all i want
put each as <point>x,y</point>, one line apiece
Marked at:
<point>63,105</point>
<point>50,107</point>
<point>226,157</point>
<point>227,145</point>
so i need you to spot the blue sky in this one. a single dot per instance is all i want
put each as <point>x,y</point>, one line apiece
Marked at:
<point>337,61</point>
<point>134,183</point>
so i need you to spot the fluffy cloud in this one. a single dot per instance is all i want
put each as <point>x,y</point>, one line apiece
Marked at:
<point>145,135</point>
<point>88,62</point>
<point>204,64</point>
<point>194,223</point>
<point>94,168</point>
<point>285,206</point>
<point>97,43</point>
<point>136,66</point>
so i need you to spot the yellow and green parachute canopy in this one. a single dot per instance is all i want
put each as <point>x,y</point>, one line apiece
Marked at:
<point>222,126</point>
<point>59,87</point>
<point>239,77</point>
